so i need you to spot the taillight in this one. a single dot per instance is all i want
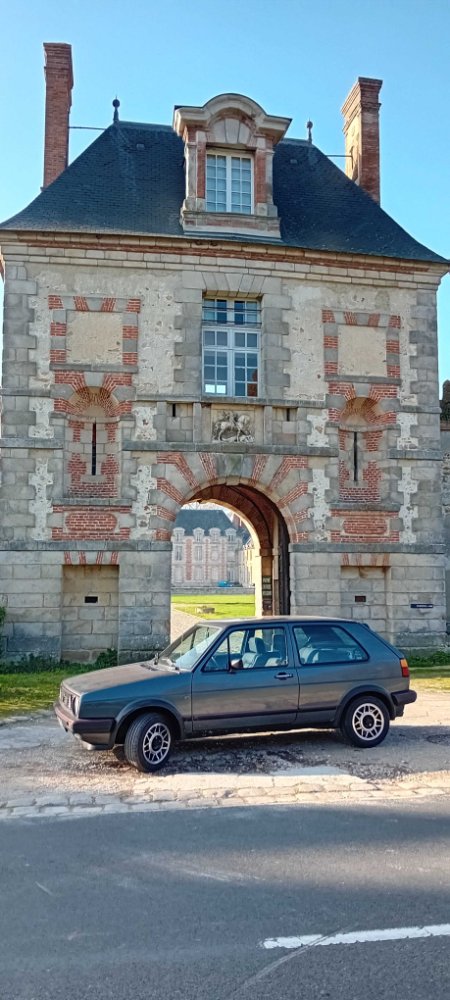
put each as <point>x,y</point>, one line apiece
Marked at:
<point>405,668</point>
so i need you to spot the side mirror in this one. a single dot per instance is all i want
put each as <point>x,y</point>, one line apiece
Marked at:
<point>236,664</point>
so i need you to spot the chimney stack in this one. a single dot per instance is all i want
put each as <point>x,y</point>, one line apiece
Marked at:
<point>58,99</point>
<point>362,135</point>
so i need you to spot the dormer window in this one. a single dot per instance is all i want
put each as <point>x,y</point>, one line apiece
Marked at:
<point>228,152</point>
<point>229,183</point>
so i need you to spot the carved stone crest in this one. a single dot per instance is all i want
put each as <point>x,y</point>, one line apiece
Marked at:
<point>232,426</point>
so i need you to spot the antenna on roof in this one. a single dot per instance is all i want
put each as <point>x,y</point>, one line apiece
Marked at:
<point>116,106</point>
<point>309,126</point>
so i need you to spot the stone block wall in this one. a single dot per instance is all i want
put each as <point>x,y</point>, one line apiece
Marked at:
<point>110,335</point>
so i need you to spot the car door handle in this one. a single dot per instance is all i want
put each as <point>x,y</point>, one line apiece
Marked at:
<point>283,676</point>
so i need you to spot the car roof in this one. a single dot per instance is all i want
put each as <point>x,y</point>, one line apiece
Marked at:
<point>274,620</point>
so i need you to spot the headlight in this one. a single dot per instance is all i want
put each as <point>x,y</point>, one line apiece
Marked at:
<point>76,705</point>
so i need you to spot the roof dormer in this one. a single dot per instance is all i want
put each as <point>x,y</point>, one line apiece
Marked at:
<point>229,146</point>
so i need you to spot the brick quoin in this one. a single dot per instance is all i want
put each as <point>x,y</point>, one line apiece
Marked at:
<point>108,305</point>
<point>129,332</point>
<point>330,342</point>
<point>55,302</point>
<point>129,358</point>
<point>58,329</point>
<point>80,303</point>
<point>327,316</point>
<point>393,371</point>
<point>330,367</point>
<point>57,357</point>
<point>133,305</point>
<point>374,319</point>
<point>395,322</point>
<point>392,346</point>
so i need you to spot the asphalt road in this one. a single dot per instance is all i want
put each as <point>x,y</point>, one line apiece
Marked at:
<point>177,905</point>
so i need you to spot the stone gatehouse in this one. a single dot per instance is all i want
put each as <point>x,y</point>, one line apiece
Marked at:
<point>214,311</point>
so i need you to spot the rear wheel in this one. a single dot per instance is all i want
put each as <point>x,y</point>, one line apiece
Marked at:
<point>365,722</point>
<point>148,742</point>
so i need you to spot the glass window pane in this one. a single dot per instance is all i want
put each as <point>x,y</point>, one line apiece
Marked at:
<point>222,338</point>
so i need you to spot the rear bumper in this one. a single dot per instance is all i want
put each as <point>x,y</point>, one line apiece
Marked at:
<point>402,698</point>
<point>96,732</point>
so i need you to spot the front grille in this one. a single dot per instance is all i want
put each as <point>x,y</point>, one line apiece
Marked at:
<point>67,699</point>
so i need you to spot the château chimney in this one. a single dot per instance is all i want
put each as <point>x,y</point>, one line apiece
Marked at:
<point>362,135</point>
<point>58,99</point>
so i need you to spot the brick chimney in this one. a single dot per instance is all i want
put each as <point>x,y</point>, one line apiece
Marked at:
<point>362,135</point>
<point>58,99</point>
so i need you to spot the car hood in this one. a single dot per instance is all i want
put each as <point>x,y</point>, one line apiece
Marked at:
<point>113,677</point>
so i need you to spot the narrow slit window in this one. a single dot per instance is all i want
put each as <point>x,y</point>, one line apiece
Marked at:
<point>355,457</point>
<point>91,599</point>
<point>94,450</point>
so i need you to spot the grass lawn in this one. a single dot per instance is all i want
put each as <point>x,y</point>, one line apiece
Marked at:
<point>20,693</point>
<point>225,605</point>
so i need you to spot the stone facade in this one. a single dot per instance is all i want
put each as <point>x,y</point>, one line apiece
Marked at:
<point>107,430</point>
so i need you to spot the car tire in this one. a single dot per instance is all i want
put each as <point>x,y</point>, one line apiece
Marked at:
<point>365,722</point>
<point>148,742</point>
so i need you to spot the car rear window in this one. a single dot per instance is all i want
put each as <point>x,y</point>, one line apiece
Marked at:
<point>321,644</point>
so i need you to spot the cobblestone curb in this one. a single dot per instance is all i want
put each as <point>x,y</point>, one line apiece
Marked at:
<point>248,790</point>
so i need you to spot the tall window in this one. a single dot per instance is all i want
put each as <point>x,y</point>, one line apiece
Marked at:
<point>229,183</point>
<point>231,346</point>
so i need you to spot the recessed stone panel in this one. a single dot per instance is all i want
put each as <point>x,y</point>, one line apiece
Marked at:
<point>362,350</point>
<point>94,338</point>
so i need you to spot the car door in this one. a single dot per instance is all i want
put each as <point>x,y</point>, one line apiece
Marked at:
<point>263,691</point>
<point>332,663</point>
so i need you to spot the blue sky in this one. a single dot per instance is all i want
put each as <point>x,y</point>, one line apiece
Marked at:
<point>294,57</point>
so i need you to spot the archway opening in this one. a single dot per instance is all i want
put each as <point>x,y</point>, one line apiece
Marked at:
<point>267,560</point>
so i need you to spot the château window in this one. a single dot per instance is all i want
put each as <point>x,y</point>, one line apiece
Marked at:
<point>231,349</point>
<point>229,183</point>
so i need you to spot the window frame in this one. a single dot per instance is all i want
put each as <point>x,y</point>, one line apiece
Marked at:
<point>228,352</point>
<point>229,155</point>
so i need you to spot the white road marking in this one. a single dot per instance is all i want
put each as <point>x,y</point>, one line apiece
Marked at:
<point>44,889</point>
<point>359,937</point>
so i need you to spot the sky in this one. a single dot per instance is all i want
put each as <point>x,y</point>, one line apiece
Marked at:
<point>294,57</point>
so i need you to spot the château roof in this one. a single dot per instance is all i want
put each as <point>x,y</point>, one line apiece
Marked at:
<point>130,180</point>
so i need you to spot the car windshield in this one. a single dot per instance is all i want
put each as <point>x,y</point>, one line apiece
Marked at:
<point>186,651</point>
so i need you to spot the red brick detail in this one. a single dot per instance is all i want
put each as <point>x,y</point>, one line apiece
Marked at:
<point>285,466</point>
<point>395,322</point>
<point>259,464</point>
<point>393,371</point>
<point>57,357</point>
<point>260,177</point>
<point>80,303</point>
<point>58,329</point>
<point>55,302</point>
<point>114,558</point>
<point>345,389</point>
<point>133,306</point>
<point>209,464</point>
<point>129,358</point>
<point>298,491</point>
<point>330,367</point>
<point>130,332</point>
<point>374,319</point>
<point>162,535</point>
<point>177,459</point>
<point>378,392</point>
<point>108,306</point>
<point>351,319</point>
<point>327,316</point>
<point>167,515</point>
<point>99,559</point>
<point>365,559</point>
<point>76,426</point>
<point>372,440</point>
<point>82,558</point>
<point>75,379</point>
<point>392,346</point>
<point>300,536</point>
<point>300,515</point>
<point>201,170</point>
<point>331,342</point>
<point>364,526</point>
<point>165,487</point>
<point>111,431</point>
<point>112,380</point>
<point>67,559</point>
<point>90,524</point>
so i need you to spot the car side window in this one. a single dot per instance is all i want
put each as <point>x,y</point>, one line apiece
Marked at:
<point>265,647</point>
<point>230,649</point>
<point>326,644</point>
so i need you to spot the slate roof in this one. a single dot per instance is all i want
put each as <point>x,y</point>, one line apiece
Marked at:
<point>130,180</point>
<point>207,519</point>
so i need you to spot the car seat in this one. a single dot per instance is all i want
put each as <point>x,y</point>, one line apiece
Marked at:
<point>256,654</point>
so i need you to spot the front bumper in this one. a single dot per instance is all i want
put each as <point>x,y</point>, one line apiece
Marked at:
<point>99,733</point>
<point>402,698</point>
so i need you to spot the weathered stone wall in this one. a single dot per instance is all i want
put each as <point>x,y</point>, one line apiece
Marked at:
<point>348,347</point>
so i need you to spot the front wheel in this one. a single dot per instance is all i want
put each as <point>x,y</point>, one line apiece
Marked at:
<point>365,722</point>
<point>148,742</point>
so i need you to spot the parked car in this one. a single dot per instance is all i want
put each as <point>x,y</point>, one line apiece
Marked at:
<point>242,676</point>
